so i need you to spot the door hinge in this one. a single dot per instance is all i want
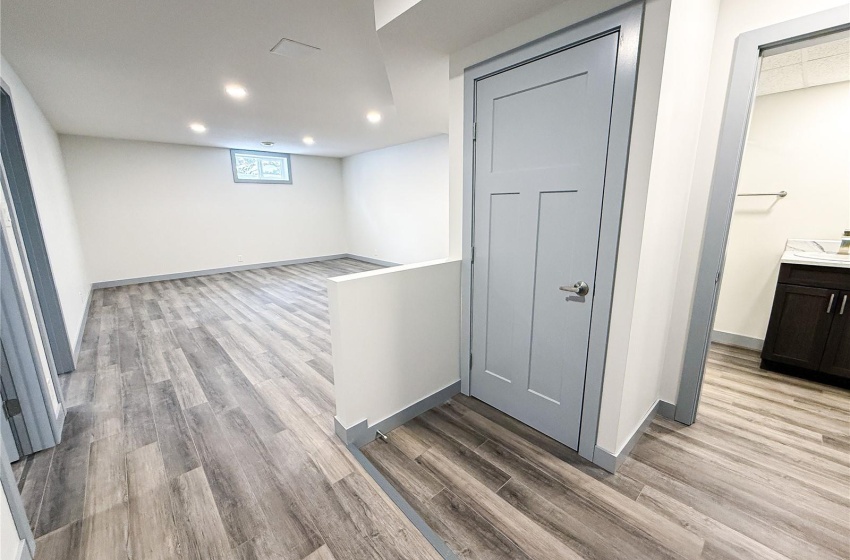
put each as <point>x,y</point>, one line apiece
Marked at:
<point>470,361</point>
<point>12,407</point>
<point>472,259</point>
<point>474,131</point>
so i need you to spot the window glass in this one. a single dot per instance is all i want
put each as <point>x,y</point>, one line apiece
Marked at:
<point>260,167</point>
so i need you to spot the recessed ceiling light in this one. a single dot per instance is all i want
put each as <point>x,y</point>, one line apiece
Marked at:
<point>198,127</point>
<point>373,117</point>
<point>236,91</point>
<point>267,143</point>
<point>309,140</point>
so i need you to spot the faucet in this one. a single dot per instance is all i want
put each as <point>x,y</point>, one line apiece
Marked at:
<point>844,249</point>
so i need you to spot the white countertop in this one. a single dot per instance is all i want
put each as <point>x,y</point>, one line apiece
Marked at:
<point>814,252</point>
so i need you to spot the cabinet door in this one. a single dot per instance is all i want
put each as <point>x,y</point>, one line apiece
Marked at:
<point>799,325</point>
<point>836,357</point>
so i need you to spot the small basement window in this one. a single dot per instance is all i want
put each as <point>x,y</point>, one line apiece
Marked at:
<point>260,167</point>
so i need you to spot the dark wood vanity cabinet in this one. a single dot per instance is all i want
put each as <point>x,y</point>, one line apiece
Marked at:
<point>836,357</point>
<point>809,327</point>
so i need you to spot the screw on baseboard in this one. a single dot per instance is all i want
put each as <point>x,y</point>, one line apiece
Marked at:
<point>381,436</point>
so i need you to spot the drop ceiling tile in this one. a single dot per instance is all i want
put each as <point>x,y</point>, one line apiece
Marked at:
<point>828,70</point>
<point>779,60</point>
<point>784,78</point>
<point>824,50</point>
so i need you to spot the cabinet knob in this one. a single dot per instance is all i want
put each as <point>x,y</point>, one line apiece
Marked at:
<point>831,301</point>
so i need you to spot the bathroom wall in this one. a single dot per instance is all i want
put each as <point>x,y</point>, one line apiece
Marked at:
<point>798,142</point>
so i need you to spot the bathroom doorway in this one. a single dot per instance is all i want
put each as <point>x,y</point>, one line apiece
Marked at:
<point>780,174</point>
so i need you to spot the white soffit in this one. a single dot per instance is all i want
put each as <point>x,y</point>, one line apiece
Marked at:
<point>388,10</point>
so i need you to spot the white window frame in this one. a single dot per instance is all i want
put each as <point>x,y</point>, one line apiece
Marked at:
<point>277,155</point>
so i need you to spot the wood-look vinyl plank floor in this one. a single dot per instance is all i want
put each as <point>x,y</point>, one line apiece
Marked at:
<point>764,473</point>
<point>200,427</point>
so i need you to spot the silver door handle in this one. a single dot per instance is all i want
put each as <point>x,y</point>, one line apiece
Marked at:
<point>831,301</point>
<point>580,288</point>
<point>843,304</point>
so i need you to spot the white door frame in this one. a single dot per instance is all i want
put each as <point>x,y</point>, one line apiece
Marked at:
<point>627,21</point>
<point>727,165</point>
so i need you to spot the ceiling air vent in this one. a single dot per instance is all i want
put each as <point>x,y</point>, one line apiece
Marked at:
<point>288,47</point>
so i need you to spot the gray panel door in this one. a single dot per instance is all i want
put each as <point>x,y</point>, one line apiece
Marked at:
<point>540,156</point>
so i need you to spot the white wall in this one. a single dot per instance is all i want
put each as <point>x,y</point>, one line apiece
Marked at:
<point>53,200</point>
<point>734,18</point>
<point>396,338</point>
<point>148,209</point>
<point>798,141</point>
<point>643,303</point>
<point>397,202</point>
<point>10,542</point>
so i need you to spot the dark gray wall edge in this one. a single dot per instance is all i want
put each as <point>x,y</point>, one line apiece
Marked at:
<point>238,268</point>
<point>16,505</point>
<point>79,343</point>
<point>737,340</point>
<point>611,462</point>
<point>439,544</point>
<point>362,433</point>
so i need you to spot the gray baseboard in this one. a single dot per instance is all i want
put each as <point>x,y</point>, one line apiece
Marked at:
<point>611,462</point>
<point>370,260</point>
<point>739,340</point>
<point>211,271</point>
<point>362,433</point>
<point>238,268</point>
<point>666,410</point>
<point>439,544</point>
<point>79,343</point>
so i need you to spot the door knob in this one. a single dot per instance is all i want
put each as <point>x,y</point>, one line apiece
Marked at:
<point>579,288</point>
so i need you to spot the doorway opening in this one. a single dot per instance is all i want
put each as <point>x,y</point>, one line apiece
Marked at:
<point>779,205</point>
